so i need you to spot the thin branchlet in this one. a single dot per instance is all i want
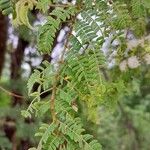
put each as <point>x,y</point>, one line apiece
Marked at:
<point>57,75</point>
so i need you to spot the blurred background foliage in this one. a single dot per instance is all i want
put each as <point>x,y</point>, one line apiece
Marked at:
<point>124,125</point>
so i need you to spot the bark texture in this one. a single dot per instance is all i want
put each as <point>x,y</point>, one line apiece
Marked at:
<point>3,40</point>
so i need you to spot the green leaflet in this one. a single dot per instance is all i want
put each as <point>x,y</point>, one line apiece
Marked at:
<point>73,128</point>
<point>80,78</point>
<point>48,31</point>
<point>42,5</point>
<point>22,7</point>
<point>6,6</point>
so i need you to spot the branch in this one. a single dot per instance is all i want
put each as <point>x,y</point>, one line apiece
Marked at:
<point>61,5</point>
<point>54,88</point>
<point>10,93</point>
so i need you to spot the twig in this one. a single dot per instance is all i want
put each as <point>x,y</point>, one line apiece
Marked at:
<point>54,88</point>
<point>10,93</point>
<point>61,5</point>
<point>52,99</point>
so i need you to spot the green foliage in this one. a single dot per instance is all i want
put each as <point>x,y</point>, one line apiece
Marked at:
<point>42,5</point>
<point>69,131</point>
<point>22,7</point>
<point>20,125</point>
<point>5,99</point>
<point>131,118</point>
<point>79,78</point>
<point>48,31</point>
<point>6,6</point>
<point>4,142</point>
<point>64,109</point>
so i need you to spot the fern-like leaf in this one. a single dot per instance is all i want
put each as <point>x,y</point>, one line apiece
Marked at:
<point>73,128</point>
<point>6,6</point>
<point>48,31</point>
